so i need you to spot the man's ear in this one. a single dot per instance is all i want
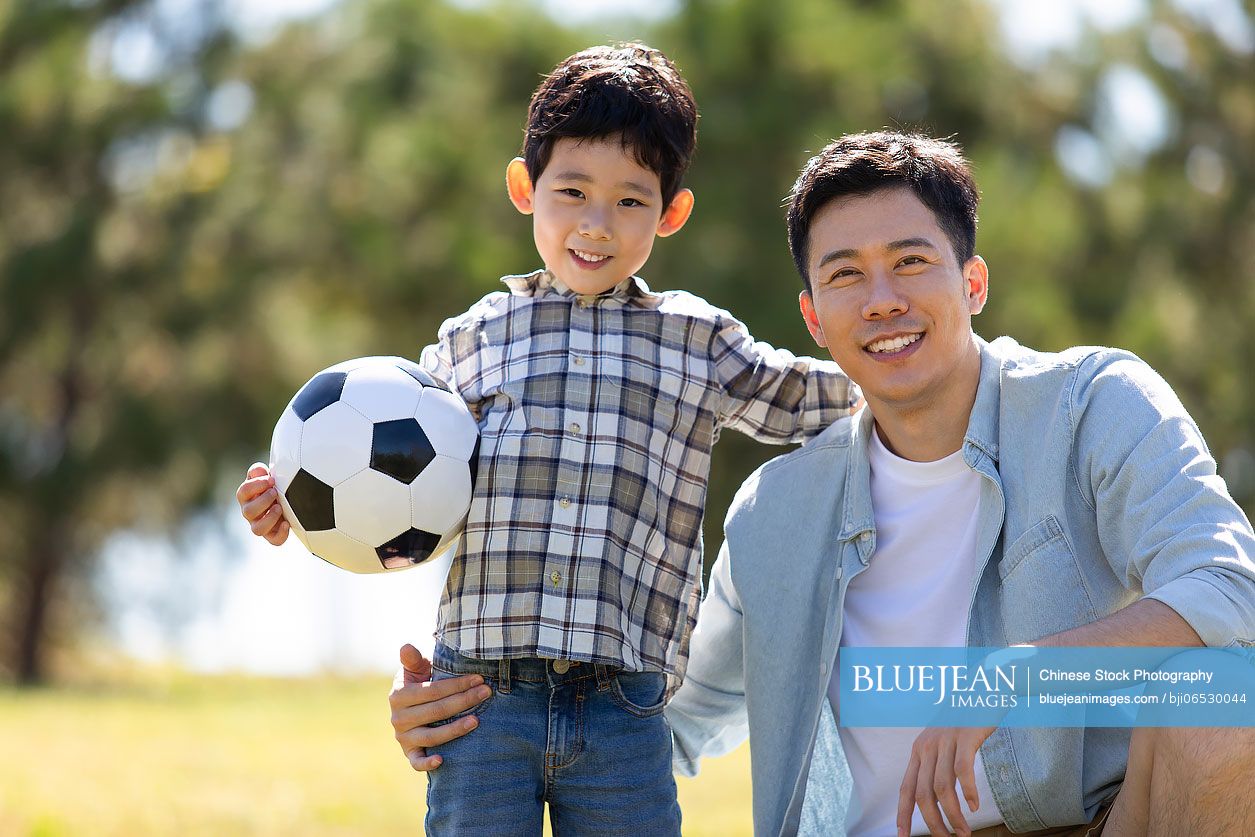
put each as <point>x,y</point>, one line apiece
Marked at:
<point>811,318</point>
<point>518,183</point>
<point>976,284</point>
<point>677,213</point>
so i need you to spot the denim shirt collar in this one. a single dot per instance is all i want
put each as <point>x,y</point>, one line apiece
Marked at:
<point>538,283</point>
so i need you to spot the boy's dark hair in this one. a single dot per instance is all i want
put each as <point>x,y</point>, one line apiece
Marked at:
<point>859,164</point>
<point>630,90</point>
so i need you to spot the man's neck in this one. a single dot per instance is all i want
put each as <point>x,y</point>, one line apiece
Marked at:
<point>934,427</point>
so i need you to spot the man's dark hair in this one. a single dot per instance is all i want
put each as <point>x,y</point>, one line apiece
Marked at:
<point>629,90</point>
<point>859,164</point>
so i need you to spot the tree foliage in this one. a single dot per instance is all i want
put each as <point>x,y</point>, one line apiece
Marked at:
<point>169,277</point>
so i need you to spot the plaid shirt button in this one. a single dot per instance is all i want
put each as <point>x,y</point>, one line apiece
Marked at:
<point>575,428</point>
<point>564,502</point>
<point>555,577</point>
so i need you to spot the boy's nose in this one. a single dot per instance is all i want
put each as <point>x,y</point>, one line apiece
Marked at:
<point>595,225</point>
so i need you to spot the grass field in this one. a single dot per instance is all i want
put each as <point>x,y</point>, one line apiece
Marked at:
<point>174,754</point>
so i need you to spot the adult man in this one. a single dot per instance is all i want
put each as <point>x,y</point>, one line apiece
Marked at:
<point>1007,496</point>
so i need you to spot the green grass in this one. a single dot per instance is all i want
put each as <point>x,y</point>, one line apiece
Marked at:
<point>172,753</point>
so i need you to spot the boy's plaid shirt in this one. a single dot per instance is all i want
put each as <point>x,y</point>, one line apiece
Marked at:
<point>597,415</point>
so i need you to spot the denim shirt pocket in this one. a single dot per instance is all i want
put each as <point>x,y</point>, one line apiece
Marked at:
<point>1041,586</point>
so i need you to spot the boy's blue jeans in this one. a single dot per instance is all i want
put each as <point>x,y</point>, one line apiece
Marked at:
<point>591,741</point>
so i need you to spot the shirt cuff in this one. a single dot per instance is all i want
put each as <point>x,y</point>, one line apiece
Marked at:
<point>1206,607</point>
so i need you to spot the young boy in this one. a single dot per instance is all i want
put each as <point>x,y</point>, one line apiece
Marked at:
<point>598,401</point>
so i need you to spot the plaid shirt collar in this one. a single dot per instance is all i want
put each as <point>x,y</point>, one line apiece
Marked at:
<point>541,282</point>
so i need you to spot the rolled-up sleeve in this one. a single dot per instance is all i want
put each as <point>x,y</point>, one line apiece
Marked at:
<point>773,395</point>
<point>1165,518</point>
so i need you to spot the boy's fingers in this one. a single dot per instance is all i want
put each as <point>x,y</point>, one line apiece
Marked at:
<point>279,533</point>
<point>257,469</point>
<point>268,519</point>
<point>252,488</point>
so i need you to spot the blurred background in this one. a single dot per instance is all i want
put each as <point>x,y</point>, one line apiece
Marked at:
<point>203,203</point>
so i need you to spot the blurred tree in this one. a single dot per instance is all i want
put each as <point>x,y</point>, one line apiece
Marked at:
<point>192,225</point>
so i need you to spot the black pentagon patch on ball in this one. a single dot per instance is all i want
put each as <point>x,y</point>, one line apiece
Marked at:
<point>473,462</point>
<point>421,375</point>
<point>320,392</point>
<point>401,449</point>
<point>310,499</point>
<point>407,548</point>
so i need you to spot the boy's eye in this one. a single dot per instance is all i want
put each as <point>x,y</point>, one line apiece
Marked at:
<point>631,202</point>
<point>574,193</point>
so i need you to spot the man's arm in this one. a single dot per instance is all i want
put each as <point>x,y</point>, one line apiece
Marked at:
<point>1146,622</point>
<point>707,713</point>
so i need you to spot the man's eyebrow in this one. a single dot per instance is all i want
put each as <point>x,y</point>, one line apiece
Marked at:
<point>847,253</point>
<point>900,244</point>
<point>908,243</point>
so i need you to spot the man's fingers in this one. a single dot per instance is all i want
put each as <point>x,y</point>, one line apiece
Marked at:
<point>926,799</point>
<point>425,695</point>
<point>417,668</point>
<point>943,787</point>
<point>427,737</point>
<point>906,796</point>
<point>423,763</point>
<point>964,769</point>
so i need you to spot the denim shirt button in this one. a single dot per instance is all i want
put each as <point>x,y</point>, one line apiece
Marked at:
<point>823,669</point>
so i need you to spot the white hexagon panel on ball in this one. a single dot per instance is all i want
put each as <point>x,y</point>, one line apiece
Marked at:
<point>441,495</point>
<point>447,423</point>
<point>335,443</point>
<point>285,448</point>
<point>381,392</point>
<point>372,507</point>
<point>335,547</point>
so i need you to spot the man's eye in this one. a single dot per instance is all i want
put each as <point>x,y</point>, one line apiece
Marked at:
<point>844,274</point>
<point>912,260</point>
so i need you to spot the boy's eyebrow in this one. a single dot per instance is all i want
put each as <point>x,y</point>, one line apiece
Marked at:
<point>900,244</point>
<point>580,177</point>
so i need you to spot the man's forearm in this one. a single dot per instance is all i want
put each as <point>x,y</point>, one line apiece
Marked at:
<point>1146,622</point>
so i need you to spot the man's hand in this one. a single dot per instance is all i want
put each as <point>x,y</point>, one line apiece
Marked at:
<point>416,701</point>
<point>939,757</point>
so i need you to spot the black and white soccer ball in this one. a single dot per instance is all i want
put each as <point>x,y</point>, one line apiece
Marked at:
<point>375,461</point>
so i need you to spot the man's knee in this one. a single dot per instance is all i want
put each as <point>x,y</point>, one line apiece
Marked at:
<point>1204,754</point>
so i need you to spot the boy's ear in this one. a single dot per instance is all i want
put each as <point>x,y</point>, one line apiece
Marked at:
<point>677,213</point>
<point>518,183</point>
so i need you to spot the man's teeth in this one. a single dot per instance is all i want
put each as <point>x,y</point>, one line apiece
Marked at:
<point>892,345</point>
<point>589,257</point>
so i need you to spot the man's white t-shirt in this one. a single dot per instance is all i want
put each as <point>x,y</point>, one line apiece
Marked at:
<point>914,592</point>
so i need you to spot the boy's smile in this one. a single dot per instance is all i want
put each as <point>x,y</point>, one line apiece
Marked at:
<point>596,211</point>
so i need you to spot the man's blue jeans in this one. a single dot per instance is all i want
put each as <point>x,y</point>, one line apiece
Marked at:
<point>591,741</point>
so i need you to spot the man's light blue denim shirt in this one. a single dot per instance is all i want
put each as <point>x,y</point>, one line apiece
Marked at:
<point>1098,490</point>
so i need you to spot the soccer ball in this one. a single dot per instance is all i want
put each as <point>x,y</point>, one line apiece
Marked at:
<point>375,461</point>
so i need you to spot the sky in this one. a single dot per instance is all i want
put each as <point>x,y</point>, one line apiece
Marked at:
<point>279,610</point>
